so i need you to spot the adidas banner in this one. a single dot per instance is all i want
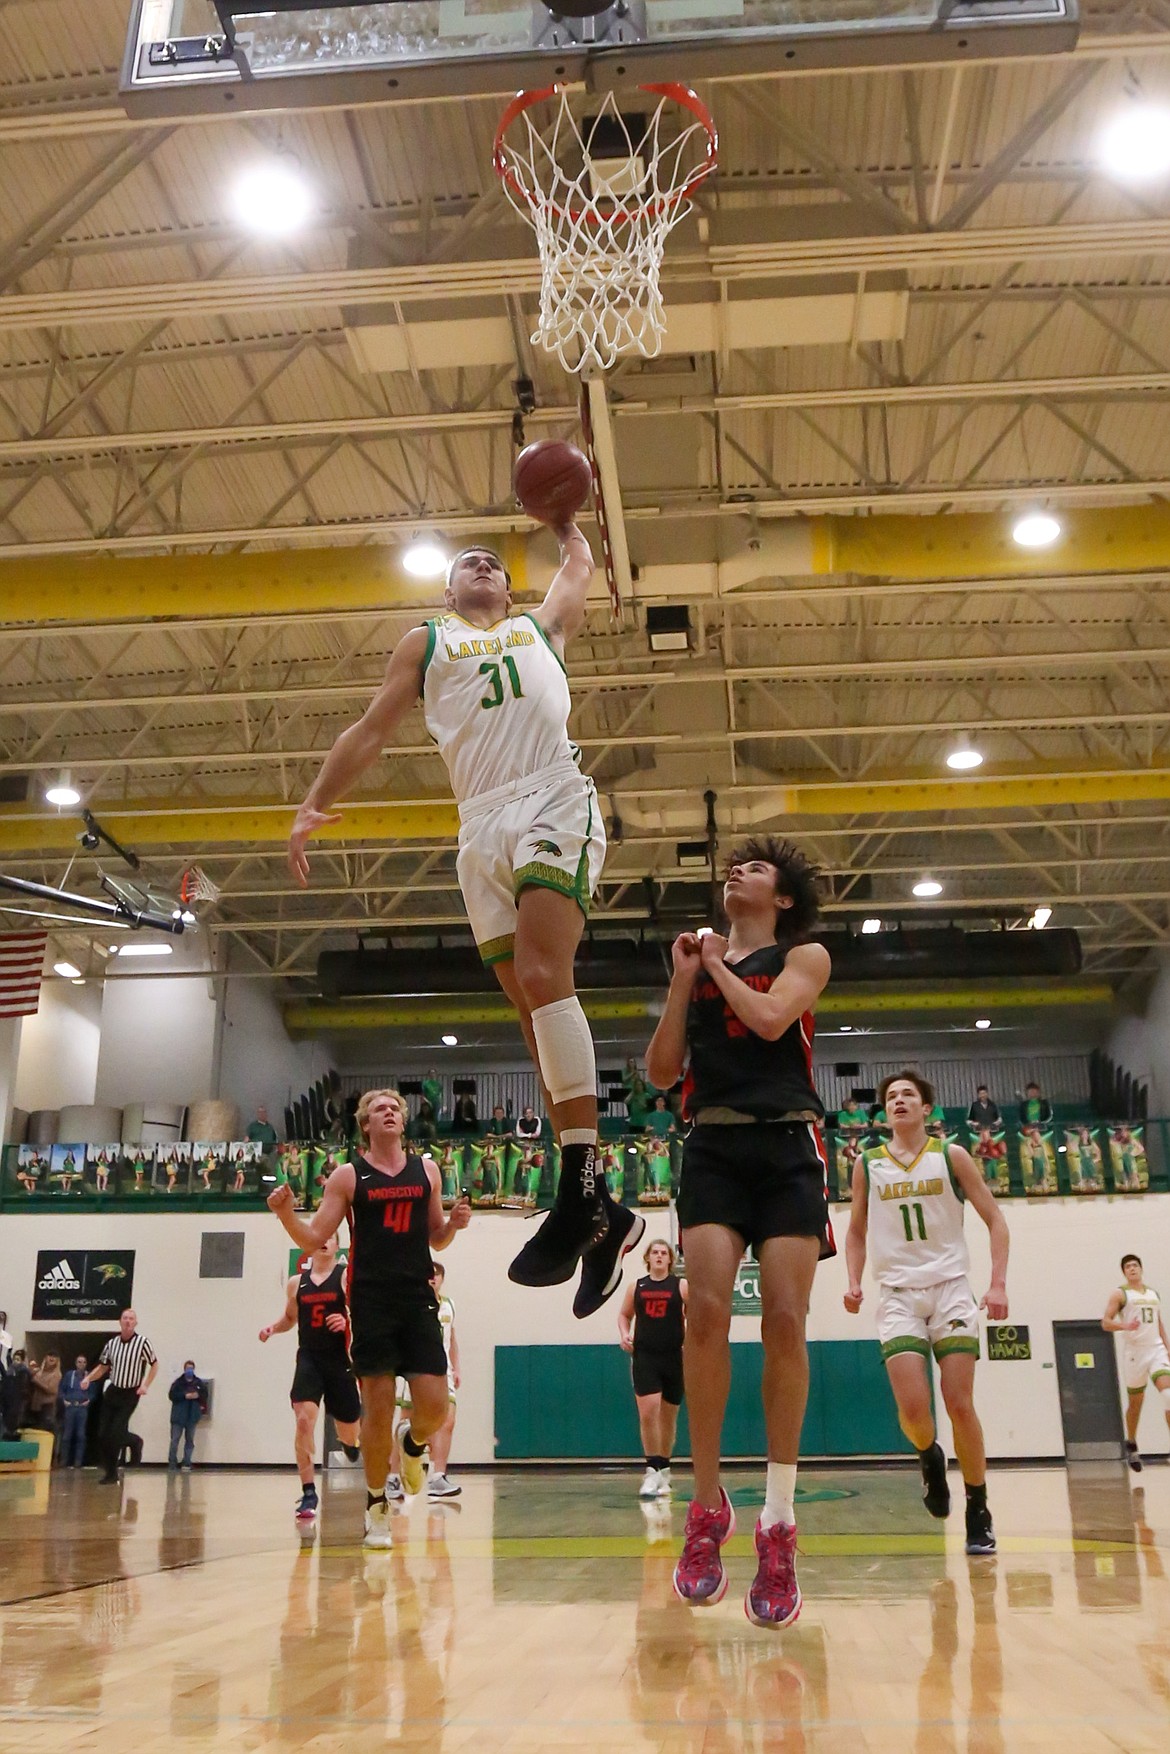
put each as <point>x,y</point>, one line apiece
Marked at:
<point>82,1285</point>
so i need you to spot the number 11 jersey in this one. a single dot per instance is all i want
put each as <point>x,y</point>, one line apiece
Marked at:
<point>496,701</point>
<point>915,1226</point>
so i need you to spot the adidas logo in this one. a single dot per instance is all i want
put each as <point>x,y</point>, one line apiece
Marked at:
<point>60,1278</point>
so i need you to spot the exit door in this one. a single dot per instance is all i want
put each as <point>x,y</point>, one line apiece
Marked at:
<point>1090,1398</point>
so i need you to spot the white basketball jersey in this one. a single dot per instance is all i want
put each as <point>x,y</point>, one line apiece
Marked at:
<point>496,702</point>
<point>446,1324</point>
<point>1146,1305</point>
<point>915,1219</point>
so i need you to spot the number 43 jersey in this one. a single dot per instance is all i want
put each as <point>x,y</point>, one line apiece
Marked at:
<point>915,1228</point>
<point>496,701</point>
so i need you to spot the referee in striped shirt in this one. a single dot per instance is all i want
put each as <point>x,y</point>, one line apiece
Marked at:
<point>129,1362</point>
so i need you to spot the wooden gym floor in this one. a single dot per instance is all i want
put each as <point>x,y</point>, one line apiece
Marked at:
<point>184,1612</point>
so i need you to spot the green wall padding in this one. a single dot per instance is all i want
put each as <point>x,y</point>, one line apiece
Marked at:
<point>575,1403</point>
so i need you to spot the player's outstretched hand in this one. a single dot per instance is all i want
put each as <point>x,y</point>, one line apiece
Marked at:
<point>335,1323</point>
<point>853,1302</point>
<point>305,825</point>
<point>684,953</point>
<point>280,1199</point>
<point>712,948</point>
<point>461,1213</point>
<point>995,1303</point>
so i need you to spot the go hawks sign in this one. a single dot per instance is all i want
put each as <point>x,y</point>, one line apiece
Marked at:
<point>82,1285</point>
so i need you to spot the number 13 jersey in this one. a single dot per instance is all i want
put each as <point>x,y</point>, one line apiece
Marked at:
<point>915,1225</point>
<point>496,701</point>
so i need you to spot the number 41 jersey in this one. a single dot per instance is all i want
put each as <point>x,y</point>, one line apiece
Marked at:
<point>915,1218</point>
<point>496,701</point>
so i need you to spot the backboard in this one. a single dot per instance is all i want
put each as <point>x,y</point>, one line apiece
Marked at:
<point>191,56</point>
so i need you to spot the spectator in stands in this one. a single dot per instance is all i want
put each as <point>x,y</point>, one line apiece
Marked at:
<point>499,1127</point>
<point>851,1114</point>
<point>466,1116</point>
<point>188,1397</point>
<point>983,1112</point>
<point>75,1405</point>
<point>637,1094</point>
<point>14,1387</point>
<point>529,1124</point>
<point>660,1121</point>
<point>1035,1109</point>
<point>261,1131</point>
<point>424,1128</point>
<point>432,1089</point>
<point>5,1342</point>
<point>44,1387</point>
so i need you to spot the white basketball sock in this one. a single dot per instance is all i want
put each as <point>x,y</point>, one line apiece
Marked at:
<point>778,1495</point>
<point>564,1045</point>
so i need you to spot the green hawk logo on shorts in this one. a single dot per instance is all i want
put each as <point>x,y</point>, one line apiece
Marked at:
<point>955,1324</point>
<point>549,846</point>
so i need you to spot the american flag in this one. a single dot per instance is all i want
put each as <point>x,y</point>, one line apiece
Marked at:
<point>22,956</point>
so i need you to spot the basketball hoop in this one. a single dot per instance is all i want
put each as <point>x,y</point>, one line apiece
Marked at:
<point>602,195</point>
<point>195,886</point>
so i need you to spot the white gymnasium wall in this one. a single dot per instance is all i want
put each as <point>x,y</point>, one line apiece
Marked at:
<point>10,1033</point>
<point>158,1040</point>
<point>1064,1264</point>
<point>1140,1042</point>
<point>58,1058</point>
<point>258,1063</point>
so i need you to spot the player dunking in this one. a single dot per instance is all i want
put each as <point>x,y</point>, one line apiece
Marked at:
<point>531,848</point>
<point>651,1326</point>
<point>315,1305</point>
<point>392,1202</point>
<point>908,1199</point>
<point>753,1172</point>
<point>1135,1312</point>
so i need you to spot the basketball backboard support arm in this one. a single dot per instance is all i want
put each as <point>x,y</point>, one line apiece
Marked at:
<point>288,55</point>
<point>121,912</point>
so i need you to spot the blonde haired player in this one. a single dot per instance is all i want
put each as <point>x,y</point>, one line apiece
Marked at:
<point>907,1213</point>
<point>531,847</point>
<point>1135,1312</point>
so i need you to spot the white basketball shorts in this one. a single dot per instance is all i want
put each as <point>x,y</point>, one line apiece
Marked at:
<point>1142,1364</point>
<point>940,1318</point>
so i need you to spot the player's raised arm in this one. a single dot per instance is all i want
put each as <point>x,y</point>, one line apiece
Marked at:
<point>336,1203</point>
<point>562,614</point>
<point>359,746</point>
<point>795,990</point>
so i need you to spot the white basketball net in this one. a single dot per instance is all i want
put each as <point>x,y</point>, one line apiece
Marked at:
<point>602,203</point>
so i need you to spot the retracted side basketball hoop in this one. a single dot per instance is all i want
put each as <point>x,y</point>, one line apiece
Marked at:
<point>603,194</point>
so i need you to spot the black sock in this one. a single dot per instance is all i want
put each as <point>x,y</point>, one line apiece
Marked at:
<point>580,1180</point>
<point>1131,1446</point>
<point>373,1498</point>
<point>658,1462</point>
<point>352,1452</point>
<point>410,1446</point>
<point>929,1450</point>
<point>977,1496</point>
<point>309,1488</point>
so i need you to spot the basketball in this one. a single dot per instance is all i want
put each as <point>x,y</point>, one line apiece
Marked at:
<point>553,480</point>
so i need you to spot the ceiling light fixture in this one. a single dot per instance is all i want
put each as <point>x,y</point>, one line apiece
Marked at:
<point>668,627</point>
<point>983,1023</point>
<point>67,970</point>
<point>144,950</point>
<point>1040,918</point>
<point>273,196</point>
<point>1036,530</point>
<point>869,927</point>
<point>424,560</point>
<point>1135,145</point>
<point>450,1041</point>
<point>845,1029</point>
<point>964,758</point>
<point>64,794</point>
<point>927,886</point>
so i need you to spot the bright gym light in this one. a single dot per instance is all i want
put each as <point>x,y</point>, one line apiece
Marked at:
<point>1040,918</point>
<point>423,560</point>
<point>143,950</point>
<point>846,1029</point>
<point>450,1041</point>
<point>964,759</point>
<point>1135,147</point>
<point>64,794</point>
<point>273,196</point>
<point>928,886</point>
<point>1036,530</point>
<point>983,1023</point>
<point>67,970</point>
<point>869,927</point>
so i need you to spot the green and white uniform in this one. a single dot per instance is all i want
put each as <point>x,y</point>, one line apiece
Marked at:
<point>1143,1355</point>
<point>496,701</point>
<point>447,1324</point>
<point>918,1254</point>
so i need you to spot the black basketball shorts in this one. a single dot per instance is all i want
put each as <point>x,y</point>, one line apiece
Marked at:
<point>763,1180</point>
<point>659,1373</point>
<point>399,1337</point>
<point>328,1380</point>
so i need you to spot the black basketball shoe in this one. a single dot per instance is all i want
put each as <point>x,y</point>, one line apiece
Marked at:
<point>980,1534</point>
<point>936,1494</point>
<point>601,1265</point>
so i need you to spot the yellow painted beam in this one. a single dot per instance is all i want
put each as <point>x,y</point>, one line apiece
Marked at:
<point>184,587</point>
<point>848,1000</point>
<point>266,821</point>
<point>967,545</point>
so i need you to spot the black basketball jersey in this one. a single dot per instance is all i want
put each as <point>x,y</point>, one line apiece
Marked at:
<point>730,1067</point>
<point>317,1299</point>
<point>658,1315</point>
<point>391,1247</point>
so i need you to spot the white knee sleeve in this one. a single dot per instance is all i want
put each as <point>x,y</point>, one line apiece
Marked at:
<point>563,1042</point>
<point>1163,1387</point>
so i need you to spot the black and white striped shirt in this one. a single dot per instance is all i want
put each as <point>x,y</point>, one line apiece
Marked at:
<point>127,1360</point>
